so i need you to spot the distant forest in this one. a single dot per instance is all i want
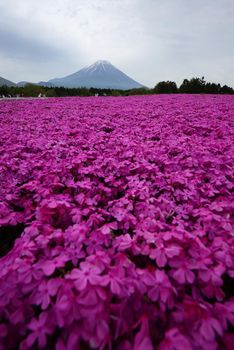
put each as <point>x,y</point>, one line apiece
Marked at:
<point>192,86</point>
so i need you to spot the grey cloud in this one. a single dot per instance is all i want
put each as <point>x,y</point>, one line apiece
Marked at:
<point>151,40</point>
<point>20,47</point>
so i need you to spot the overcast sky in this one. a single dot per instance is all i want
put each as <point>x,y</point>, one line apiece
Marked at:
<point>150,40</point>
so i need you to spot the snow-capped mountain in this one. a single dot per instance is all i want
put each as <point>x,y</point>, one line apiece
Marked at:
<point>101,74</point>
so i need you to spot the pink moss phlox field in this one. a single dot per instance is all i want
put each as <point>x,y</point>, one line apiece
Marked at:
<point>116,223</point>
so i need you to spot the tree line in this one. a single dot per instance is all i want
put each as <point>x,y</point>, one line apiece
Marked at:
<point>189,86</point>
<point>192,86</point>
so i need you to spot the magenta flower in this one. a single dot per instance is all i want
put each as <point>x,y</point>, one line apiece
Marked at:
<point>87,273</point>
<point>124,242</point>
<point>209,328</point>
<point>49,266</point>
<point>46,290</point>
<point>66,309</point>
<point>183,273</point>
<point>161,254</point>
<point>160,287</point>
<point>107,228</point>
<point>174,340</point>
<point>40,328</point>
<point>116,226</point>
<point>142,338</point>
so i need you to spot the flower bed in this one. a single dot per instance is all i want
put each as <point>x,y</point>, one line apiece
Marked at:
<point>116,223</point>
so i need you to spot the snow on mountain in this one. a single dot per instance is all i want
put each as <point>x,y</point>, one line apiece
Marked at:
<point>101,74</point>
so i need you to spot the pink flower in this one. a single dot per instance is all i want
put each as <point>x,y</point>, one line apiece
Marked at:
<point>124,242</point>
<point>161,288</point>
<point>162,254</point>
<point>174,340</point>
<point>87,273</point>
<point>209,327</point>
<point>117,280</point>
<point>142,339</point>
<point>183,273</point>
<point>46,290</point>
<point>107,228</point>
<point>66,309</point>
<point>49,266</point>
<point>40,328</point>
<point>119,238</point>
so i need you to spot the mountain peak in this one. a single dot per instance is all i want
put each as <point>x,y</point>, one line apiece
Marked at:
<point>101,74</point>
<point>100,62</point>
<point>100,65</point>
